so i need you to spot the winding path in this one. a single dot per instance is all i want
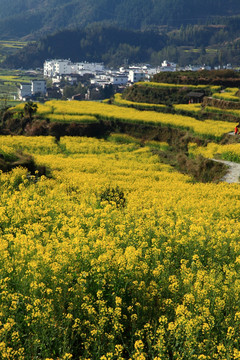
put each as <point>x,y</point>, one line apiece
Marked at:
<point>233,174</point>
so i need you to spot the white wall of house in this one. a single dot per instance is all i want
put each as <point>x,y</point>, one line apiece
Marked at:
<point>135,76</point>
<point>24,91</point>
<point>48,68</point>
<point>51,68</point>
<point>118,80</point>
<point>38,87</point>
<point>168,66</point>
<point>63,67</point>
<point>57,67</point>
<point>28,90</point>
<point>90,67</point>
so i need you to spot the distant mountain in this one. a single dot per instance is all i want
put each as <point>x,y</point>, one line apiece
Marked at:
<point>34,18</point>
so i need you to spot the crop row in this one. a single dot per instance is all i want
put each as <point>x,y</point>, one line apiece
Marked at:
<point>229,94</point>
<point>213,88</point>
<point>191,108</point>
<point>213,109</point>
<point>72,118</point>
<point>119,101</point>
<point>207,128</point>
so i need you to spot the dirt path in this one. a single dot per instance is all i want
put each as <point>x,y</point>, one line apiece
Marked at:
<point>233,174</point>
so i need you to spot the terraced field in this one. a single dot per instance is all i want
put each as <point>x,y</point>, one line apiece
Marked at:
<point>9,47</point>
<point>113,254</point>
<point>73,110</point>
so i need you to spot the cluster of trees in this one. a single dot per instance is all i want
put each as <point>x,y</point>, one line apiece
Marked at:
<point>158,95</point>
<point>102,93</point>
<point>191,44</point>
<point>183,31</point>
<point>215,44</point>
<point>70,90</point>
<point>11,121</point>
<point>24,18</point>
<point>226,78</point>
<point>95,43</point>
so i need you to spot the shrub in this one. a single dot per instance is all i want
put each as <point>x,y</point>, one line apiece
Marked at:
<point>113,195</point>
<point>37,128</point>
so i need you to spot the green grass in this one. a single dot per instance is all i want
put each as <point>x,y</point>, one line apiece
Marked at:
<point>7,102</point>
<point>10,81</point>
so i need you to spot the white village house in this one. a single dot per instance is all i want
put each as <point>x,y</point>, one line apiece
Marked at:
<point>52,68</point>
<point>59,67</point>
<point>24,91</point>
<point>36,87</point>
<point>136,75</point>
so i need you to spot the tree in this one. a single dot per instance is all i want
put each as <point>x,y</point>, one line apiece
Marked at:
<point>30,108</point>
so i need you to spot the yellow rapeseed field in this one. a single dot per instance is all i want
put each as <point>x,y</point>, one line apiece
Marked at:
<point>213,88</point>
<point>115,256</point>
<point>72,118</point>
<point>229,152</point>
<point>192,108</point>
<point>229,94</point>
<point>118,100</point>
<point>67,109</point>
<point>226,112</point>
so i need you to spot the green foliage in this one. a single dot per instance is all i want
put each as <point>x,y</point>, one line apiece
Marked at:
<point>29,109</point>
<point>158,95</point>
<point>70,90</point>
<point>113,195</point>
<point>191,44</point>
<point>95,43</point>
<point>226,78</point>
<point>19,174</point>
<point>19,18</point>
<point>192,31</point>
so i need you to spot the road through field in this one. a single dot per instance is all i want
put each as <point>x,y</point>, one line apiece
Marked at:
<point>233,174</point>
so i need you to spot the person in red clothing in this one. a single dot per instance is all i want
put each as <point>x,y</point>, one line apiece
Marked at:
<point>236,130</point>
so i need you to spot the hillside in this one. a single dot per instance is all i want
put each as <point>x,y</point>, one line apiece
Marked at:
<point>192,44</point>
<point>32,19</point>
<point>185,32</point>
<point>96,43</point>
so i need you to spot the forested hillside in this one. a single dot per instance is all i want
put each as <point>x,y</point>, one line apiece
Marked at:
<point>96,43</point>
<point>192,44</point>
<point>33,18</point>
<point>182,31</point>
